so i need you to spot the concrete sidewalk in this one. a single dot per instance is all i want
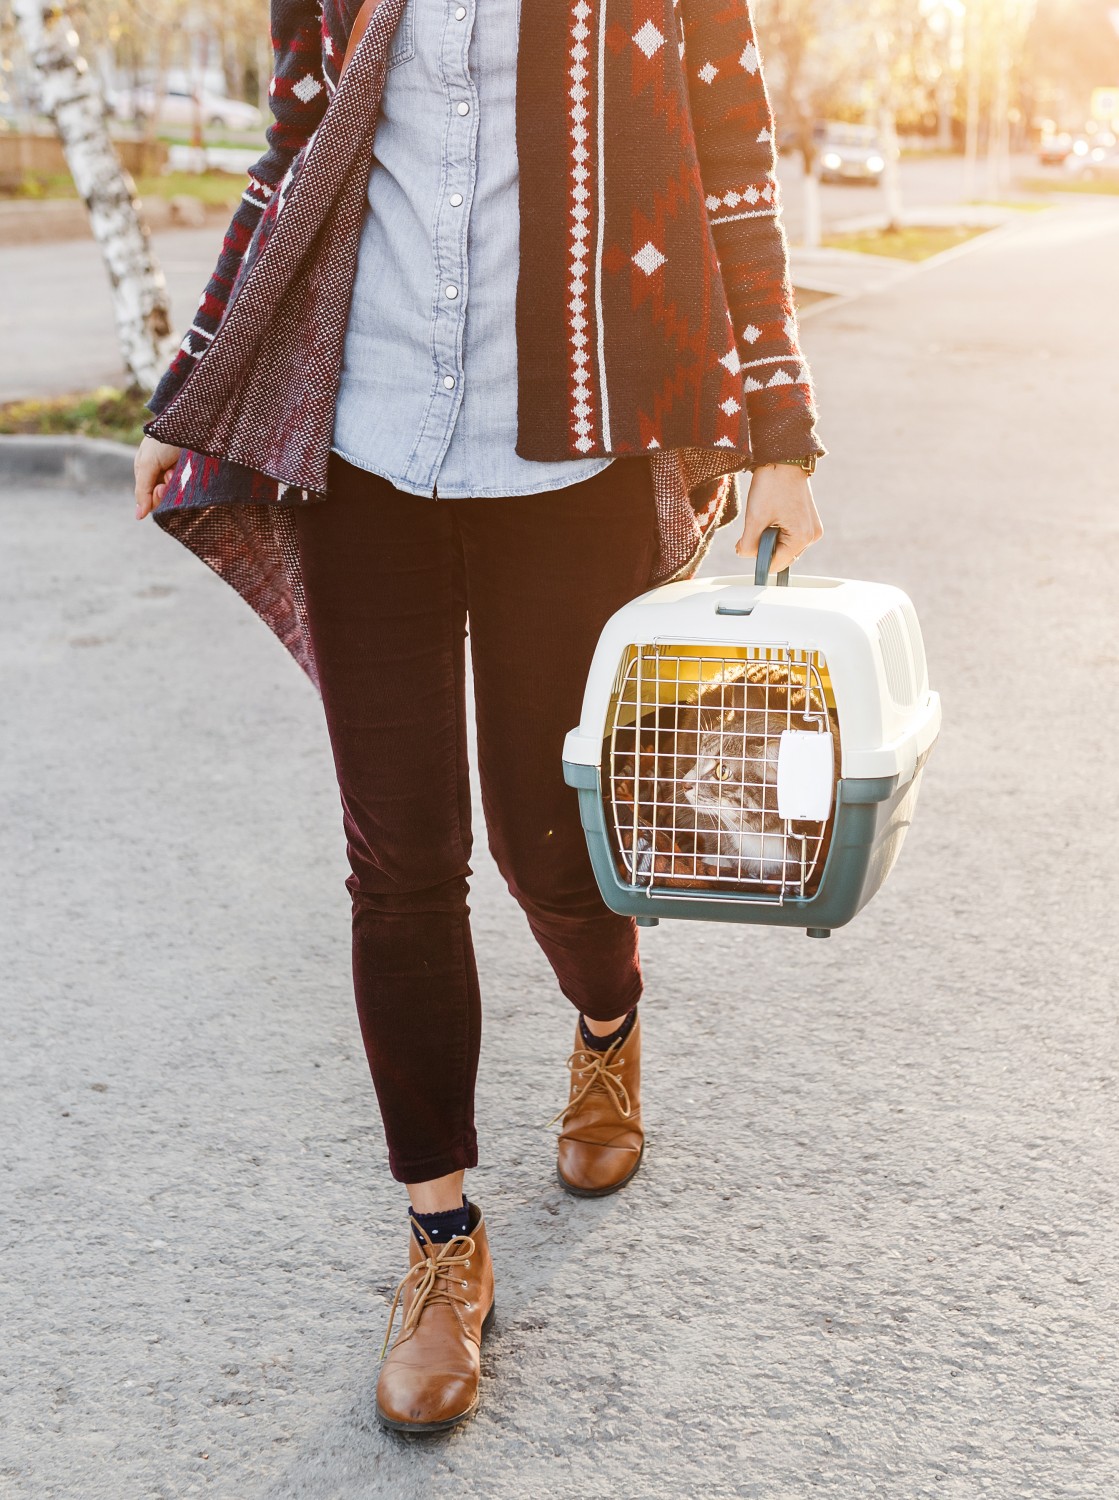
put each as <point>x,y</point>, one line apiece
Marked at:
<point>872,1250</point>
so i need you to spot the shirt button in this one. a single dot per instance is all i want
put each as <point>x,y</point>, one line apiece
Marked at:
<point>456,200</point>
<point>451,292</point>
<point>463,109</point>
<point>460,14</point>
<point>449,382</point>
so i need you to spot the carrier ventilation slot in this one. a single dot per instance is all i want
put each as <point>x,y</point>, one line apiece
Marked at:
<point>893,642</point>
<point>917,648</point>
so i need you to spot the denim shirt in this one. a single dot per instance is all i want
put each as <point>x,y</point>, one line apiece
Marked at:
<point>428,391</point>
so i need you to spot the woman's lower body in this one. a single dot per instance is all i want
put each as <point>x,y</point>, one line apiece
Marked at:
<point>391,582</point>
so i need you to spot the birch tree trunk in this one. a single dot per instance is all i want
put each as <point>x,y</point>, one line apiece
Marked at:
<point>974,65</point>
<point>70,95</point>
<point>887,126</point>
<point>998,129</point>
<point>945,102</point>
<point>891,172</point>
<point>813,217</point>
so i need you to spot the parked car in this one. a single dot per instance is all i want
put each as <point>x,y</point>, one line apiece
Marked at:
<point>850,153</point>
<point>176,106</point>
<point>1099,163</point>
<point>1053,150</point>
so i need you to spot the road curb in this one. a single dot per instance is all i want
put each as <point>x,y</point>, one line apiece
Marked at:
<point>88,463</point>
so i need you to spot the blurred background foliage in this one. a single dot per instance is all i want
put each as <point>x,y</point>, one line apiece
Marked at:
<point>1034,62</point>
<point>175,107</point>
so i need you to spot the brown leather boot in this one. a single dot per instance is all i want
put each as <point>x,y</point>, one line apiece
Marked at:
<point>602,1141</point>
<point>429,1380</point>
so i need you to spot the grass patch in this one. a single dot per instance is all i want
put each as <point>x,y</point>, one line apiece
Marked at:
<point>218,189</point>
<point>103,413</point>
<point>236,142</point>
<point>1017,205</point>
<point>910,242</point>
<point>36,185</point>
<point>1102,186</point>
<point>215,189</point>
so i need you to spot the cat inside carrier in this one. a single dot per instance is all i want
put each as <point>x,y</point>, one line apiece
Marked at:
<point>753,753</point>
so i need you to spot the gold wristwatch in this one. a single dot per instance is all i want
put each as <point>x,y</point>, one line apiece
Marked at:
<point>807,464</point>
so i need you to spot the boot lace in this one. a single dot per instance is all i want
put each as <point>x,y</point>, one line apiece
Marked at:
<point>601,1071</point>
<point>434,1279</point>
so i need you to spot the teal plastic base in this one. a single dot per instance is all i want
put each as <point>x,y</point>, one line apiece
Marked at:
<point>871,821</point>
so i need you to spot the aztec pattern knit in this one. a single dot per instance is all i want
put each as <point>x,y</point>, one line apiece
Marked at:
<point>654,309</point>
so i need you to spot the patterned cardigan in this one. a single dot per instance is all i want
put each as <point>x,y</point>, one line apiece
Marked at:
<point>654,308</point>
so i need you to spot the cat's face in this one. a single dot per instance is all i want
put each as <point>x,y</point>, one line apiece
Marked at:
<point>733,766</point>
<point>731,742</point>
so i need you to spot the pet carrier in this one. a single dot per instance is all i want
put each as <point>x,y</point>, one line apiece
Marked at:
<point>750,753</point>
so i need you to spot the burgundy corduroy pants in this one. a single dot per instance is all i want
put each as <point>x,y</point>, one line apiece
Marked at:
<point>391,582</point>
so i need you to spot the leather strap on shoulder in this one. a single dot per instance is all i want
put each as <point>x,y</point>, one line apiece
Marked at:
<point>357,31</point>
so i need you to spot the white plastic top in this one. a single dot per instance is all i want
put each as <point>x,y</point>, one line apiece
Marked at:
<point>868,634</point>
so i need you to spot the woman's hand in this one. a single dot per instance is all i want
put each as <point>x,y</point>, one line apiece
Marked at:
<point>152,465</point>
<point>780,495</point>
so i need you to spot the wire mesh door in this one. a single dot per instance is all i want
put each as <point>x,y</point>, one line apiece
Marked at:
<point>693,748</point>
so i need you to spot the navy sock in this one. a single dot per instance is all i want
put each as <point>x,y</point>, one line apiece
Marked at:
<point>601,1043</point>
<point>443,1226</point>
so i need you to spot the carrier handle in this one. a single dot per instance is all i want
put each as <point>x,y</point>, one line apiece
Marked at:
<point>767,546</point>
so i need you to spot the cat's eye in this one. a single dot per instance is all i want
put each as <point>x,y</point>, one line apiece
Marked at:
<point>721,772</point>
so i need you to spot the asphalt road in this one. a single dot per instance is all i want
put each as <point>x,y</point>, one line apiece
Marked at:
<point>56,318</point>
<point>872,1250</point>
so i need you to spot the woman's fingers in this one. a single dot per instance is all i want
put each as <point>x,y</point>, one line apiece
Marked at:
<point>152,467</point>
<point>788,550</point>
<point>146,472</point>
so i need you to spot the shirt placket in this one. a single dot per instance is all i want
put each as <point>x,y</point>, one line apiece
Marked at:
<point>458,173</point>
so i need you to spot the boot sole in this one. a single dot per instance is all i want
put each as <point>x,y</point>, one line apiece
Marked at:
<point>423,1429</point>
<point>602,1192</point>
